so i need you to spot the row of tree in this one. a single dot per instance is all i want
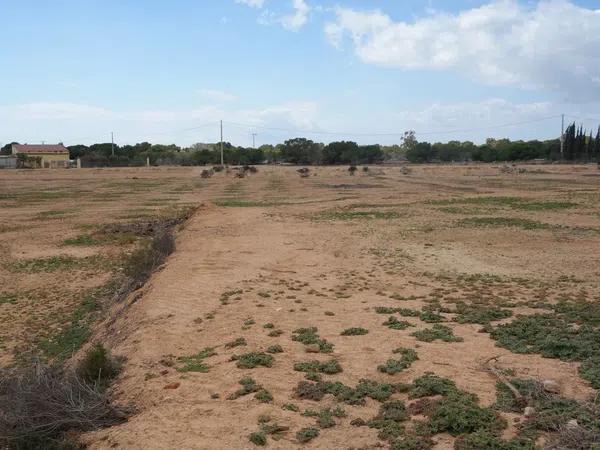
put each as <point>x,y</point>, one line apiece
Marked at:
<point>578,146</point>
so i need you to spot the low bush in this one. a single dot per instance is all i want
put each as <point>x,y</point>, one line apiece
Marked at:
<point>438,332</point>
<point>41,404</point>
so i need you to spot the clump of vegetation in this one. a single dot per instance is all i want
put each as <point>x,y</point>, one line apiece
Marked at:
<point>195,363</point>
<point>554,337</point>
<point>429,385</point>
<point>552,413</point>
<point>459,413</point>
<point>346,394</point>
<point>236,343</point>
<point>394,366</point>
<point>252,360</point>
<point>259,438</point>
<point>486,440</point>
<point>275,349</point>
<point>480,314</point>
<point>325,417</point>
<point>51,264</point>
<point>97,366</point>
<point>356,331</point>
<point>40,405</point>
<point>250,386</point>
<point>309,336</point>
<point>438,332</point>
<point>389,420</point>
<point>307,434</point>
<point>431,317</point>
<point>394,324</point>
<point>491,222</point>
<point>328,367</point>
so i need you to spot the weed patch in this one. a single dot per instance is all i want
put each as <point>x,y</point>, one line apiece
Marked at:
<point>252,360</point>
<point>309,336</point>
<point>394,366</point>
<point>438,332</point>
<point>195,363</point>
<point>354,332</point>
<point>394,324</point>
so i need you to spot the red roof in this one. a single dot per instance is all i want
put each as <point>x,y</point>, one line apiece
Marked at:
<point>26,148</point>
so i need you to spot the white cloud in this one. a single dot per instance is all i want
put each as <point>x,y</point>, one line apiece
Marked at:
<point>293,21</point>
<point>298,18</point>
<point>73,123</point>
<point>252,3</point>
<point>552,45</point>
<point>216,95</point>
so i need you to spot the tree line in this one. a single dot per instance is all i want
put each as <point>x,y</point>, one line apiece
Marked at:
<point>579,145</point>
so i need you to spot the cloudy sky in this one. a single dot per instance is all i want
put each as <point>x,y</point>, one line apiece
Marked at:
<point>366,70</point>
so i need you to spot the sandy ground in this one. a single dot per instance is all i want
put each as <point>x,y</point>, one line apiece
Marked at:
<point>292,250</point>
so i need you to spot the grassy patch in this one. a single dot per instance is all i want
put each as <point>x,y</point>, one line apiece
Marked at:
<point>394,366</point>
<point>195,363</point>
<point>437,332</point>
<point>355,331</point>
<point>307,434</point>
<point>500,222</point>
<point>53,264</point>
<point>230,203</point>
<point>480,314</point>
<point>394,324</point>
<point>510,202</point>
<point>8,297</point>
<point>328,367</point>
<point>309,336</point>
<point>252,360</point>
<point>354,215</point>
<point>554,337</point>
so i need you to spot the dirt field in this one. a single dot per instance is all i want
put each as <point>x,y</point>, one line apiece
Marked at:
<point>369,260</point>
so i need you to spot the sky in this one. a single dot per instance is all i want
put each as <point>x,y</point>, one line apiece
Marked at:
<point>168,71</point>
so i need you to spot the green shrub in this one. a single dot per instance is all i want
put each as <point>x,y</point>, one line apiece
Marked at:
<point>354,331</point>
<point>275,349</point>
<point>393,366</point>
<point>195,363</point>
<point>97,365</point>
<point>459,413</point>
<point>429,385</point>
<point>440,332</point>
<point>395,324</point>
<point>484,440</point>
<point>329,367</point>
<point>307,434</point>
<point>252,360</point>
<point>309,336</point>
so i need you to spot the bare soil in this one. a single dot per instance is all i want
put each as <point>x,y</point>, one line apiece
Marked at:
<point>320,251</point>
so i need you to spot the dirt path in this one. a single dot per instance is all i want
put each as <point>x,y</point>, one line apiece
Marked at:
<point>237,269</point>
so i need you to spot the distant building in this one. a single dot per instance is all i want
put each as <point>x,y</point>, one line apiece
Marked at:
<point>8,162</point>
<point>49,156</point>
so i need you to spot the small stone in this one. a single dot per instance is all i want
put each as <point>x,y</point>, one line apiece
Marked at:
<point>551,386</point>
<point>215,396</point>
<point>572,425</point>
<point>174,385</point>
<point>313,348</point>
<point>529,412</point>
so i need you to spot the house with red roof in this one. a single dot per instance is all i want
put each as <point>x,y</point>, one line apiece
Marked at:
<point>45,156</point>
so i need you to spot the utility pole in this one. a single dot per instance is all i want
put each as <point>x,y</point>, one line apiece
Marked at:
<point>222,162</point>
<point>112,143</point>
<point>562,138</point>
<point>253,140</point>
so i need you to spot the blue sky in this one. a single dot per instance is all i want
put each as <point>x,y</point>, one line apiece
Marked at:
<point>168,71</point>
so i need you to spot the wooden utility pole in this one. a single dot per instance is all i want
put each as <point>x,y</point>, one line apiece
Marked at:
<point>222,162</point>
<point>562,138</point>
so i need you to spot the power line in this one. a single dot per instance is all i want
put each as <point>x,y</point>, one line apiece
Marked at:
<point>588,119</point>
<point>420,133</point>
